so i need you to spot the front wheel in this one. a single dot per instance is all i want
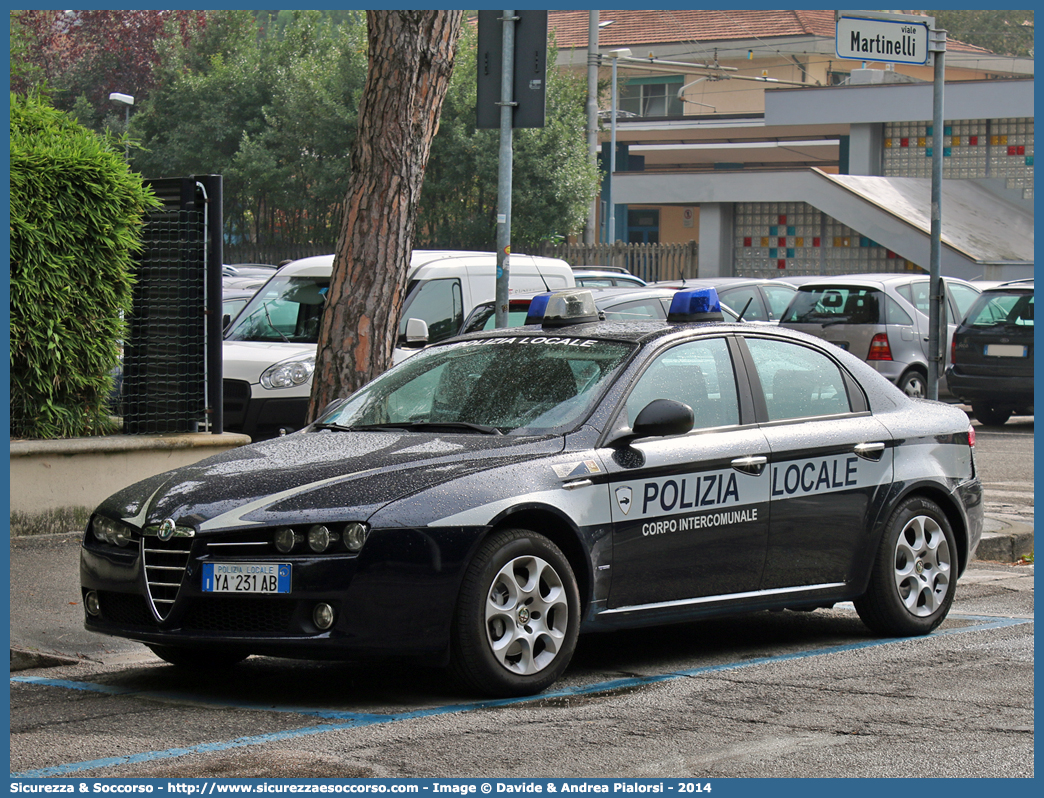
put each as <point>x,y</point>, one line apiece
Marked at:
<point>518,616</point>
<point>915,573</point>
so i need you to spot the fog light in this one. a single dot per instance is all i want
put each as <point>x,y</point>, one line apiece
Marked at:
<point>355,536</point>
<point>323,617</point>
<point>90,601</point>
<point>285,539</point>
<point>320,538</point>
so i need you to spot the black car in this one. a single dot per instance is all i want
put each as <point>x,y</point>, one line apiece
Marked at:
<point>485,501</point>
<point>992,354</point>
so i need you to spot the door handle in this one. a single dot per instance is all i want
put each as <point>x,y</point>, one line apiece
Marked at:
<point>870,451</point>
<point>751,464</point>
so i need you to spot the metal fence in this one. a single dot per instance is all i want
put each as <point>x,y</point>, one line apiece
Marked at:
<point>651,262</point>
<point>171,379</point>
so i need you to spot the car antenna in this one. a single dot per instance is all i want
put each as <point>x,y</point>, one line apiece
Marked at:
<point>740,316</point>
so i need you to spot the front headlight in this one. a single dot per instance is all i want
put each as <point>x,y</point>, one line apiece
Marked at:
<point>289,373</point>
<point>115,533</point>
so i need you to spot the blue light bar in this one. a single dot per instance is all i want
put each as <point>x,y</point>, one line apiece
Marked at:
<point>696,304</point>
<point>537,306</point>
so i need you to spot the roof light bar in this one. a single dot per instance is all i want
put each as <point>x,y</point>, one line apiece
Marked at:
<point>562,308</point>
<point>697,304</point>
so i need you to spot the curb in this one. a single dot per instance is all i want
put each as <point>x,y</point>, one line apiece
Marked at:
<point>1007,544</point>
<point>23,659</point>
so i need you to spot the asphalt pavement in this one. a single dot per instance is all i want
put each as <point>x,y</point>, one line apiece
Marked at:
<point>47,613</point>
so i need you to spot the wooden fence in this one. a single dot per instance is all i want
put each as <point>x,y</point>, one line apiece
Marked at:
<point>651,262</point>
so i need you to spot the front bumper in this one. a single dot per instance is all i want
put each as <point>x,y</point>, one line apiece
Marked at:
<point>394,598</point>
<point>261,417</point>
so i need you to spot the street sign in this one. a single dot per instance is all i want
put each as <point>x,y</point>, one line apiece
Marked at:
<point>902,40</point>
<point>529,81</point>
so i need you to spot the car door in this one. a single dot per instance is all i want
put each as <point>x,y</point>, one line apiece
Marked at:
<point>828,460</point>
<point>689,511</point>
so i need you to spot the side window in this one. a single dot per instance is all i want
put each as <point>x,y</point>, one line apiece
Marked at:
<point>894,313</point>
<point>963,297</point>
<point>698,373</point>
<point>439,303</point>
<point>778,298</point>
<point>917,294</point>
<point>737,299</point>
<point>637,310</point>
<point>798,382</point>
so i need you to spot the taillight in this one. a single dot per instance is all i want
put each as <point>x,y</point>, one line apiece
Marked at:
<point>953,350</point>
<point>879,349</point>
<point>971,435</point>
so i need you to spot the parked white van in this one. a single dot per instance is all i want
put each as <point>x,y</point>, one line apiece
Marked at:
<point>269,350</point>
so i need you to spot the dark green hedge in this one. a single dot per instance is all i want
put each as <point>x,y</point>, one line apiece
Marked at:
<point>76,217</point>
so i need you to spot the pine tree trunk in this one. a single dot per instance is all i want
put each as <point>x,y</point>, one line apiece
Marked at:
<point>410,61</point>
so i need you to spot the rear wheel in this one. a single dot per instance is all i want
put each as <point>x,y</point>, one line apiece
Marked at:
<point>198,658</point>
<point>518,616</point>
<point>915,572</point>
<point>990,415</point>
<point>914,384</point>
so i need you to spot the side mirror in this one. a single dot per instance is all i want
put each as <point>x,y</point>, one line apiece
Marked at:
<point>663,417</point>
<point>416,334</point>
<point>225,321</point>
<point>658,419</point>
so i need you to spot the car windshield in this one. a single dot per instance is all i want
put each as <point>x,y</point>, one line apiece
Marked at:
<point>521,385</point>
<point>835,305</point>
<point>994,308</point>
<point>286,309</point>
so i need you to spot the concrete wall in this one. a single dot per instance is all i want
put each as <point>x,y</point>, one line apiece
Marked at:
<point>55,485</point>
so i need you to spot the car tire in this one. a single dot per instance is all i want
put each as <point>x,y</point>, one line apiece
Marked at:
<point>198,658</point>
<point>915,572</point>
<point>914,384</point>
<point>517,617</point>
<point>990,415</point>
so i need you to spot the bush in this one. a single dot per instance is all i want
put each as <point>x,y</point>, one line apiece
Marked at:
<point>76,218</point>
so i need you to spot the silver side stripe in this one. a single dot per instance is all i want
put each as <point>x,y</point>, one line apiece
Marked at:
<point>779,591</point>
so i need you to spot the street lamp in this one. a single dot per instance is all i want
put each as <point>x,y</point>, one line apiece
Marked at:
<point>128,100</point>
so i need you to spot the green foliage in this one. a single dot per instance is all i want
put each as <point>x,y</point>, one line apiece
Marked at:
<point>76,214</point>
<point>275,115</point>
<point>553,181</point>
<point>1005,32</point>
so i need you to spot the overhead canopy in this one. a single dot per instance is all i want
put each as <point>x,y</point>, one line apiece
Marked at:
<point>983,234</point>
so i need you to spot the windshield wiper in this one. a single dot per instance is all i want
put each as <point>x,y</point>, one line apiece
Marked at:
<point>270,324</point>
<point>416,426</point>
<point>335,427</point>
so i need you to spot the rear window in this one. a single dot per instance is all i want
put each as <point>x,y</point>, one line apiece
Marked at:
<point>836,305</point>
<point>993,308</point>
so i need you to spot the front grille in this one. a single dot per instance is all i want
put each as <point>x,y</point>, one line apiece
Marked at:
<point>243,544</point>
<point>165,563</point>
<point>125,609</point>
<point>242,615</point>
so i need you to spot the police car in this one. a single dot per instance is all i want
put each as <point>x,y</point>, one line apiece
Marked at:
<point>485,501</point>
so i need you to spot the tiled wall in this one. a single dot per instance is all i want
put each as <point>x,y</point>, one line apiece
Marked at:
<point>997,148</point>
<point>793,238</point>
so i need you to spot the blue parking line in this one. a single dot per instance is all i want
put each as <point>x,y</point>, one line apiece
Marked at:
<point>350,720</point>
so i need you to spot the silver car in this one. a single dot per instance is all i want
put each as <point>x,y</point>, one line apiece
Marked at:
<point>881,318</point>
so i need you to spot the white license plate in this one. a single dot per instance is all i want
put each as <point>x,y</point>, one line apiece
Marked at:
<point>246,577</point>
<point>1005,350</point>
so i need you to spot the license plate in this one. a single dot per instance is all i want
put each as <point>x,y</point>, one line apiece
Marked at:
<point>1005,350</point>
<point>246,577</point>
